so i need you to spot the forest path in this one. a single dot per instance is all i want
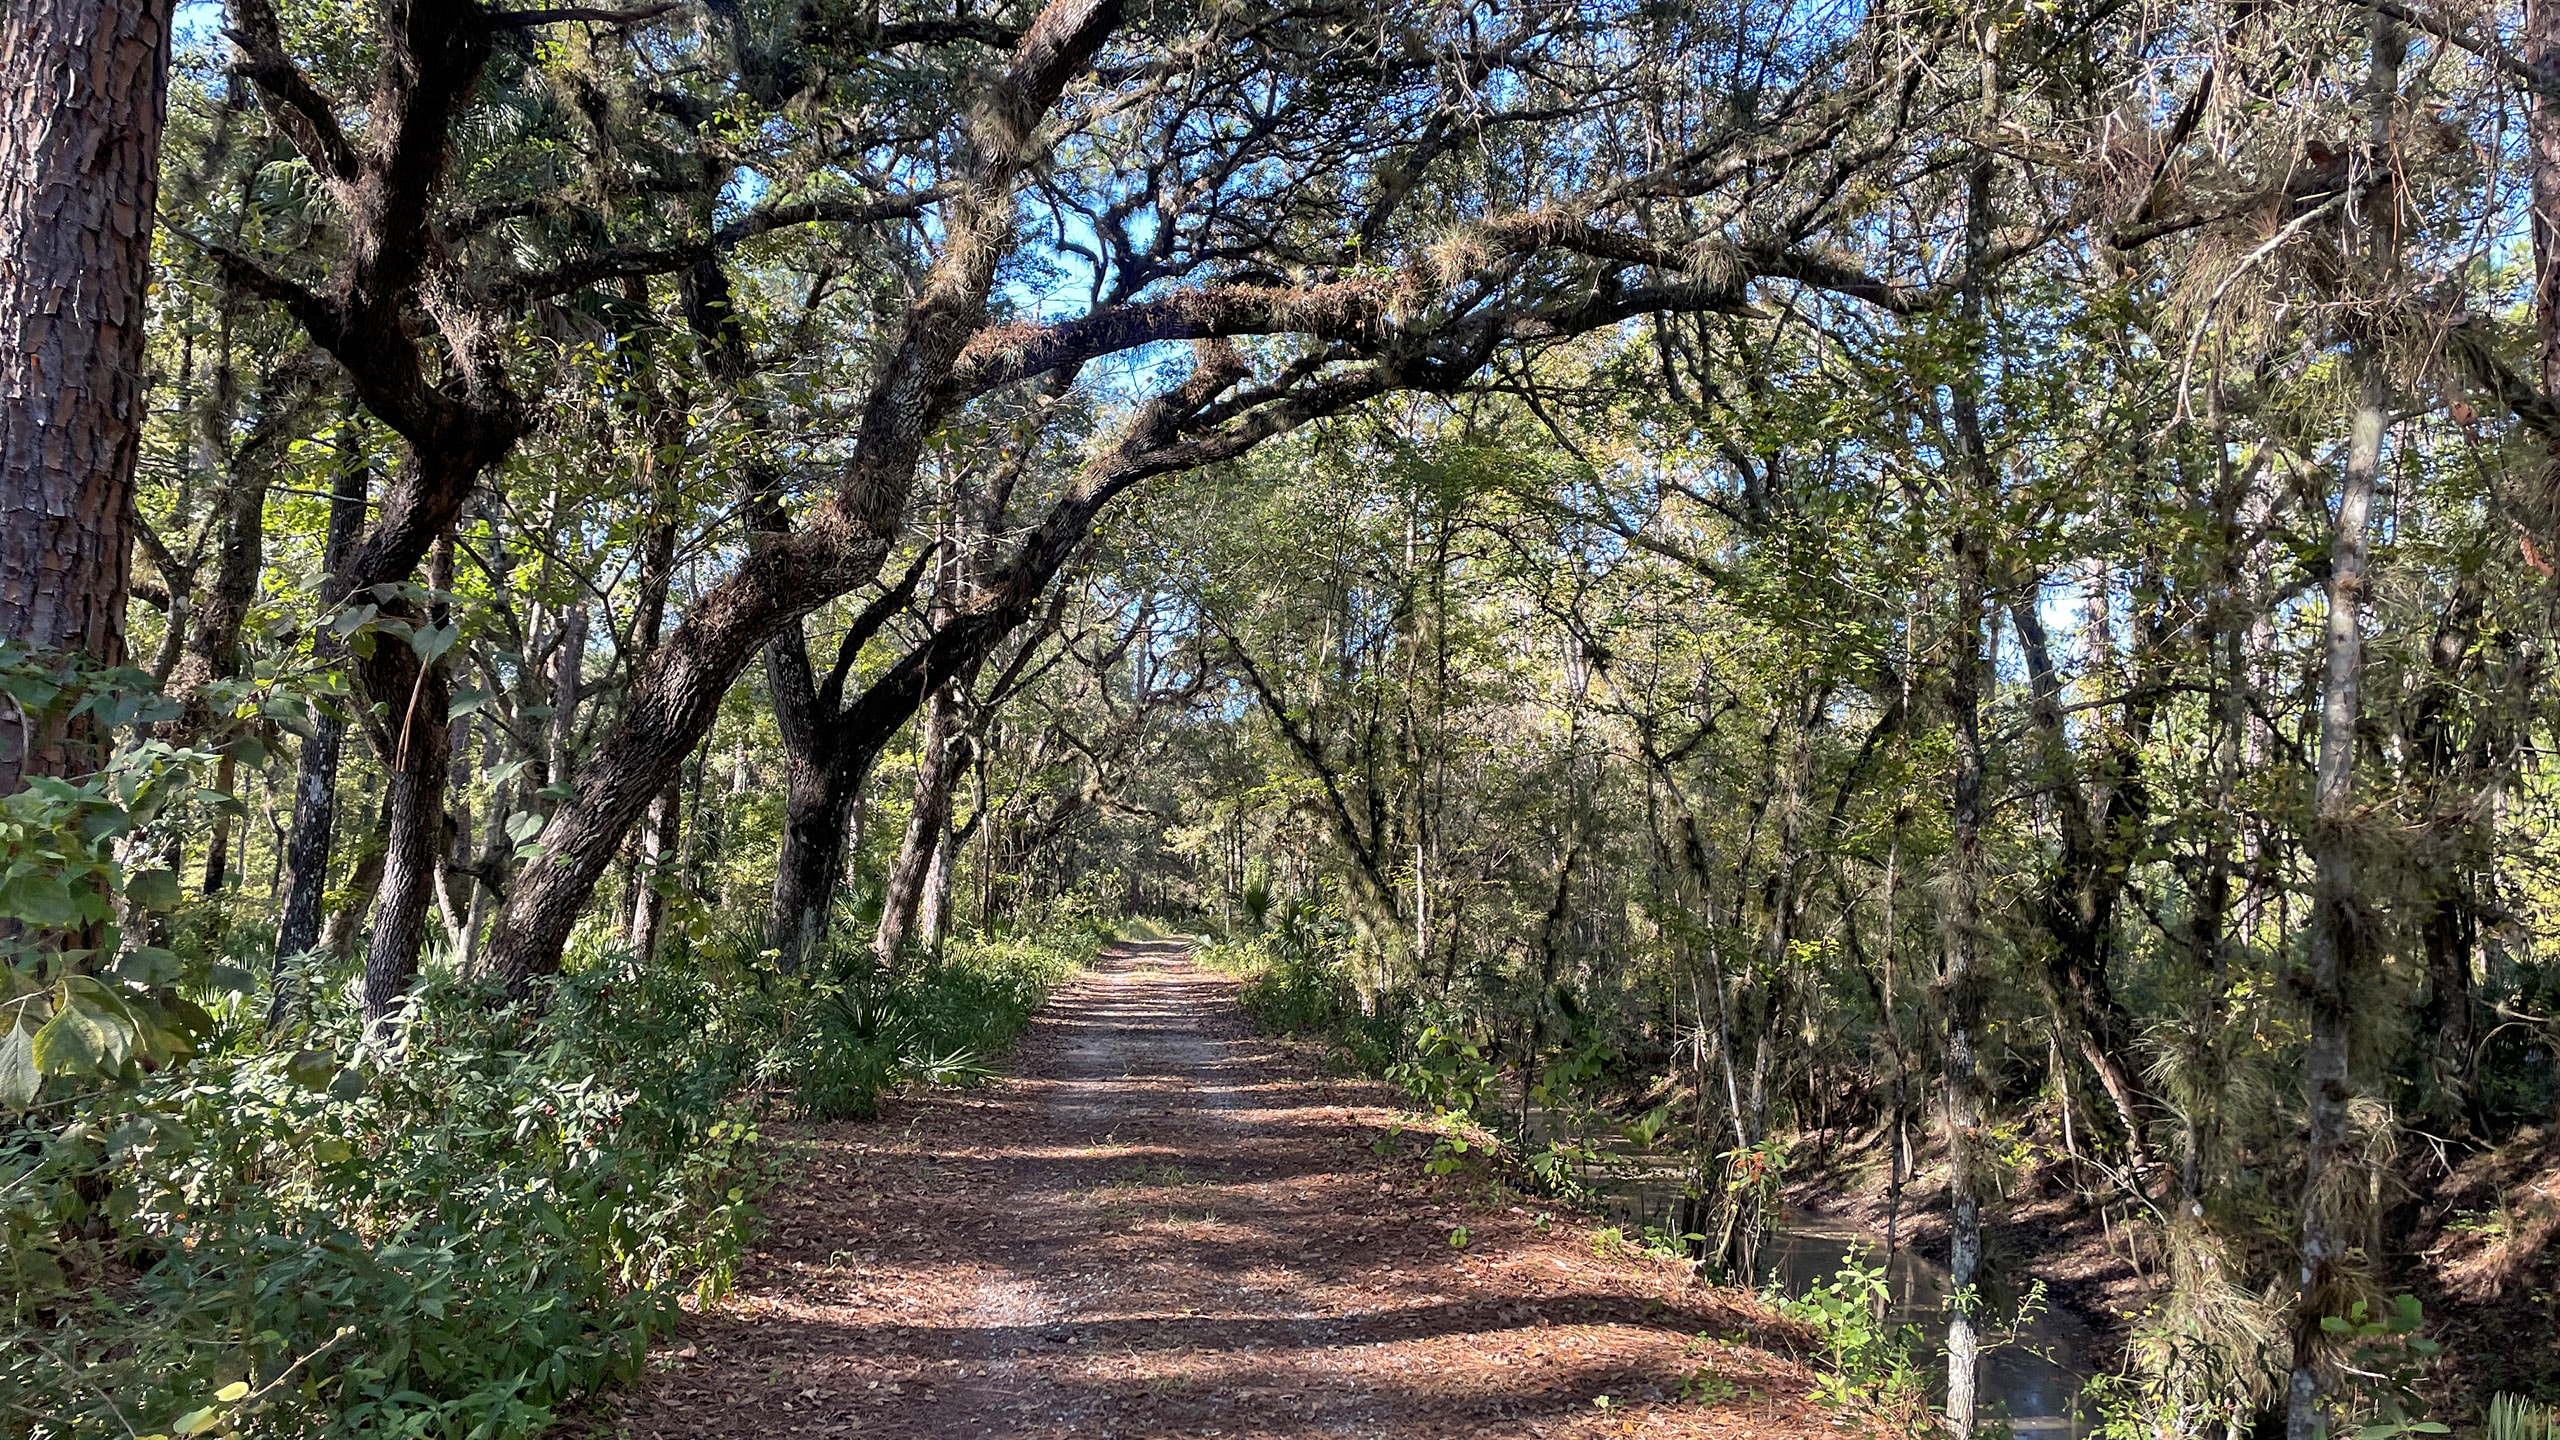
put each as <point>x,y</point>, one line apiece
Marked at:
<point>1162,1225</point>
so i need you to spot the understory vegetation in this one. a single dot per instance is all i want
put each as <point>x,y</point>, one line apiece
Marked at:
<point>1939,607</point>
<point>452,1230</point>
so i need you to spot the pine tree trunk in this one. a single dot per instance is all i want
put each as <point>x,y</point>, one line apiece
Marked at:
<point>83,92</point>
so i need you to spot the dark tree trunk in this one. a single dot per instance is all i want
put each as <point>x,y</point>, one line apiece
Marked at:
<point>414,695</point>
<point>83,92</point>
<point>818,814</point>
<point>214,647</point>
<point>676,697</point>
<point>315,786</point>
<point>826,762</point>
<point>936,768</point>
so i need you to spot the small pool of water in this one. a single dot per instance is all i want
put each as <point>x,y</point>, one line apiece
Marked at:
<point>2032,1380</point>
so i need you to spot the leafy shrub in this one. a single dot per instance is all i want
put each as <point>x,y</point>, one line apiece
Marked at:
<point>1866,1359</point>
<point>1297,982</point>
<point>863,1032</point>
<point>312,1240</point>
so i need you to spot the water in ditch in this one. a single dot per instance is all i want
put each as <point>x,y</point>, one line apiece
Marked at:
<point>2032,1380</point>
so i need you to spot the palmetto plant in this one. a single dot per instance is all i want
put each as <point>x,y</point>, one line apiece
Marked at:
<point>2512,1417</point>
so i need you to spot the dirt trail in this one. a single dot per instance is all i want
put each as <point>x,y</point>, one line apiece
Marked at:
<point>1164,1226</point>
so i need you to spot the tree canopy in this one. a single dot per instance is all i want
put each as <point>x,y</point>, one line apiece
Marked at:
<point>1952,599</point>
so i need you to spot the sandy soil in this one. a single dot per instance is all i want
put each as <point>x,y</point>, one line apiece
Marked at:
<point>1164,1226</point>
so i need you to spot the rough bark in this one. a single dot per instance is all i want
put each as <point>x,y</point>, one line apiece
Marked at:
<point>825,765</point>
<point>939,756</point>
<point>315,786</point>
<point>414,695</point>
<point>83,92</point>
<point>676,697</point>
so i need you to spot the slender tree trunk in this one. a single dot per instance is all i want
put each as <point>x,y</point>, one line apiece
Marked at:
<point>83,93</point>
<point>2336,946</point>
<point>934,772</point>
<point>659,844</point>
<point>415,695</point>
<point>1960,988</point>
<point>2540,45</point>
<point>315,788</point>
<point>338,936</point>
<point>568,671</point>
<point>1959,983</point>
<point>217,846</point>
<point>932,914</point>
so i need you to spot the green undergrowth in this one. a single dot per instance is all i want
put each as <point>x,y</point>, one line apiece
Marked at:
<point>1299,985</point>
<point>306,1234</point>
<point>939,1021</point>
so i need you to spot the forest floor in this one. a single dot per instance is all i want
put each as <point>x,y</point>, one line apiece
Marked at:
<point>1163,1225</point>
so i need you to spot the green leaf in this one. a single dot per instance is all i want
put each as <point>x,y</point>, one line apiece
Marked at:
<point>232,1393</point>
<point>149,965</point>
<point>19,1077</point>
<point>153,889</point>
<point>468,702</point>
<point>523,826</point>
<point>431,641</point>
<point>332,1151</point>
<point>195,1422</point>
<point>69,1044</point>
<point>40,900</point>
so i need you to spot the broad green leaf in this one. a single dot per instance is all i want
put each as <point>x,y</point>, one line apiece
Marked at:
<point>40,900</point>
<point>69,1044</point>
<point>153,889</point>
<point>431,641</point>
<point>19,1077</point>
<point>149,965</point>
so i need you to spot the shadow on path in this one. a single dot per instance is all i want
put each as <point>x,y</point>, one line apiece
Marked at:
<point>1162,1225</point>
